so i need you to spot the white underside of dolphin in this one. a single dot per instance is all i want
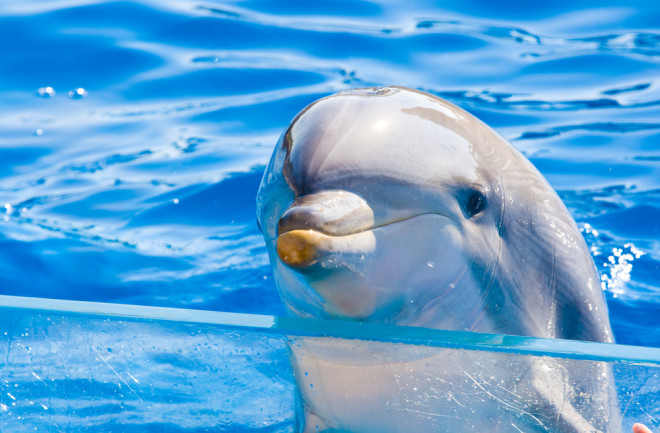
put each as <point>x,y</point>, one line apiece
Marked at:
<point>367,387</point>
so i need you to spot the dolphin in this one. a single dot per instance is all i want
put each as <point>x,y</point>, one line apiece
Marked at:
<point>391,205</point>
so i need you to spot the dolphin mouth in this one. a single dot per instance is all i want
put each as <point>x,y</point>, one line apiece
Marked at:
<point>304,247</point>
<point>333,228</point>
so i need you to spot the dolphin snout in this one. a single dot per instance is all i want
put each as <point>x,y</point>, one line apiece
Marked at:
<point>334,213</point>
<point>318,227</point>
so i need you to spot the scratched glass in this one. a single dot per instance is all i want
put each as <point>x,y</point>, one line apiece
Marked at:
<point>77,367</point>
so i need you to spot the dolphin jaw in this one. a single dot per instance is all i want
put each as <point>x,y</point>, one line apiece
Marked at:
<point>383,274</point>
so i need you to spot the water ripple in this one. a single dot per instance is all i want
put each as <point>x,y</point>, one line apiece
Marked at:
<point>642,43</point>
<point>627,89</point>
<point>315,24</point>
<point>620,128</point>
<point>517,35</point>
<point>93,167</point>
<point>511,101</point>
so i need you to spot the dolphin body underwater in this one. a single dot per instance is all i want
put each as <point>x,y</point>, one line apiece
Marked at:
<point>390,205</point>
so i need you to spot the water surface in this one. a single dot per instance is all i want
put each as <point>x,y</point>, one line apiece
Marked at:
<point>141,187</point>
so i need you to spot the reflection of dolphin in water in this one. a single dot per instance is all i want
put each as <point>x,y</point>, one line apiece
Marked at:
<point>390,205</point>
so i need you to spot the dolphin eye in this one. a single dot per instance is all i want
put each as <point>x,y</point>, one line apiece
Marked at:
<point>476,203</point>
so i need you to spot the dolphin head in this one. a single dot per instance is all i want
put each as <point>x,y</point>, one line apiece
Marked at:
<point>392,205</point>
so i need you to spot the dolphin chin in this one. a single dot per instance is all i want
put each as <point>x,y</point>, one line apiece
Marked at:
<point>302,249</point>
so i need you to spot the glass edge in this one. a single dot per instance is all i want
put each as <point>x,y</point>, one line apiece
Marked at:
<point>291,327</point>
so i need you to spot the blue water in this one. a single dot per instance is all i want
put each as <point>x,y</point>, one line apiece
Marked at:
<point>141,187</point>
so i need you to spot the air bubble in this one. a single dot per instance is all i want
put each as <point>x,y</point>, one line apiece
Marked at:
<point>78,93</point>
<point>45,92</point>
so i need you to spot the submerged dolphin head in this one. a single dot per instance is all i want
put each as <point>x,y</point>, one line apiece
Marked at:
<point>391,205</point>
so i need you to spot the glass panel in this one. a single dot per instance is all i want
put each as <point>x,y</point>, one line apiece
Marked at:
<point>77,367</point>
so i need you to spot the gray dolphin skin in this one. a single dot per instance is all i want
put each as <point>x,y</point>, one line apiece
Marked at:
<point>391,205</point>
